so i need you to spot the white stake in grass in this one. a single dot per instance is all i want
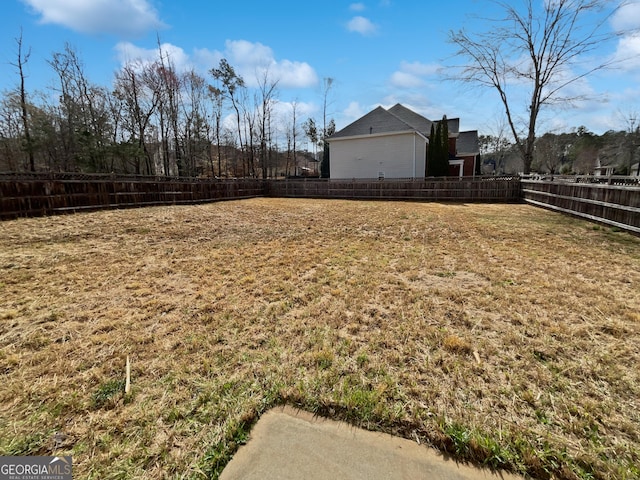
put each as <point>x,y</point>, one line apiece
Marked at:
<point>127,383</point>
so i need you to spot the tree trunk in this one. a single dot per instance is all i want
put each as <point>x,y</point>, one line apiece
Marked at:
<point>23,105</point>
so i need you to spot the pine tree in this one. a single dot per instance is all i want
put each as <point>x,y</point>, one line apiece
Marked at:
<point>439,150</point>
<point>430,152</point>
<point>445,142</point>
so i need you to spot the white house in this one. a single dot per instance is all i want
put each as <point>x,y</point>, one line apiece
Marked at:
<point>393,143</point>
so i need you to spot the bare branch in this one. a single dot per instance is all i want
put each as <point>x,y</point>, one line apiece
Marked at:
<point>21,61</point>
<point>534,48</point>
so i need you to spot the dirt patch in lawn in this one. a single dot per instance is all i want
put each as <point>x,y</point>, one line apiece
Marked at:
<point>504,334</point>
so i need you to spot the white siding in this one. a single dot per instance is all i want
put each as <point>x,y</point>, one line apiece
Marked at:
<point>397,156</point>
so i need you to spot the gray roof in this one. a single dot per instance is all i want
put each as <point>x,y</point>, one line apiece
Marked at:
<point>397,119</point>
<point>422,124</point>
<point>417,121</point>
<point>453,125</point>
<point>378,120</point>
<point>468,143</point>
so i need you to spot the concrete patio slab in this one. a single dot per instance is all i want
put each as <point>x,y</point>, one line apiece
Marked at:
<point>292,444</point>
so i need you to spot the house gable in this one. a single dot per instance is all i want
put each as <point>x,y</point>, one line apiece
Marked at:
<point>415,120</point>
<point>376,121</point>
<point>393,144</point>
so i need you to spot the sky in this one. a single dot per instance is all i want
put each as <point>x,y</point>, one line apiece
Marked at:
<point>377,52</point>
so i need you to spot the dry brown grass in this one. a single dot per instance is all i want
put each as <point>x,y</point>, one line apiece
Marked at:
<point>505,334</point>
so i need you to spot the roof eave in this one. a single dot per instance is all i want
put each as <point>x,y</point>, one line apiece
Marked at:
<point>371,135</point>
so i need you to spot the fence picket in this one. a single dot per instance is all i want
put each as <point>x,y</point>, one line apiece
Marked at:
<point>614,201</point>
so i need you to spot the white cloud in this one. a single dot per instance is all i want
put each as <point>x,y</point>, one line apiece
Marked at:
<point>626,21</point>
<point>362,25</point>
<point>406,80</point>
<point>417,68</point>
<point>206,58</point>
<point>292,74</point>
<point>412,74</point>
<point>253,60</point>
<point>353,111</point>
<point>357,7</point>
<point>304,110</point>
<point>627,17</point>
<point>127,52</point>
<point>417,102</point>
<point>242,53</point>
<point>118,17</point>
<point>627,56</point>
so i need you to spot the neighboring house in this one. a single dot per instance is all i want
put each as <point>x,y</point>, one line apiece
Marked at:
<point>618,158</point>
<point>393,143</point>
<point>605,166</point>
<point>604,170</point>
<point>467,156</point>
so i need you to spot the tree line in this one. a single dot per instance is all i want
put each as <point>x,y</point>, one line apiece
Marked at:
<point>579,152</point>
<point>156,120</point>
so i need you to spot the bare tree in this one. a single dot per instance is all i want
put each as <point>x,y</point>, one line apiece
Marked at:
<point>631,122</point>
<point>311,131</point>
<point>494,147</point>
<point>114,106</point>
<point>586,148</point>
<point>11,127</point>
<point>540,46</point>
<point>292,137</point>
<point>549,152</point>
<point>195,128</point>
<point>327,83</point>
<point>45,132</point>
<point>170,85</point>
<point>67,111</point>
<point>268,91</point>
<point>250,123</point>
<point>585,160</point>
<point>501,142</point>
<point>139,104</point>
<point>231,85</point>
<point>21,61</point>
<point>217,98</point>
<point>82,113</point>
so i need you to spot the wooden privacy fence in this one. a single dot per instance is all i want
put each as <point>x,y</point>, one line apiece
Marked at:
<point>36,195</point>
<point>478,189</point>
<point>610,200</point>
<point>27,195</point>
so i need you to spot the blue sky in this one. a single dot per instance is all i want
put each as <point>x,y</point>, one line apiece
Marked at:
<point>379,52</point>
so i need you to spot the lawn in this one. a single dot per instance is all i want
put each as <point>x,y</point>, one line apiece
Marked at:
<point>505,334</point>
